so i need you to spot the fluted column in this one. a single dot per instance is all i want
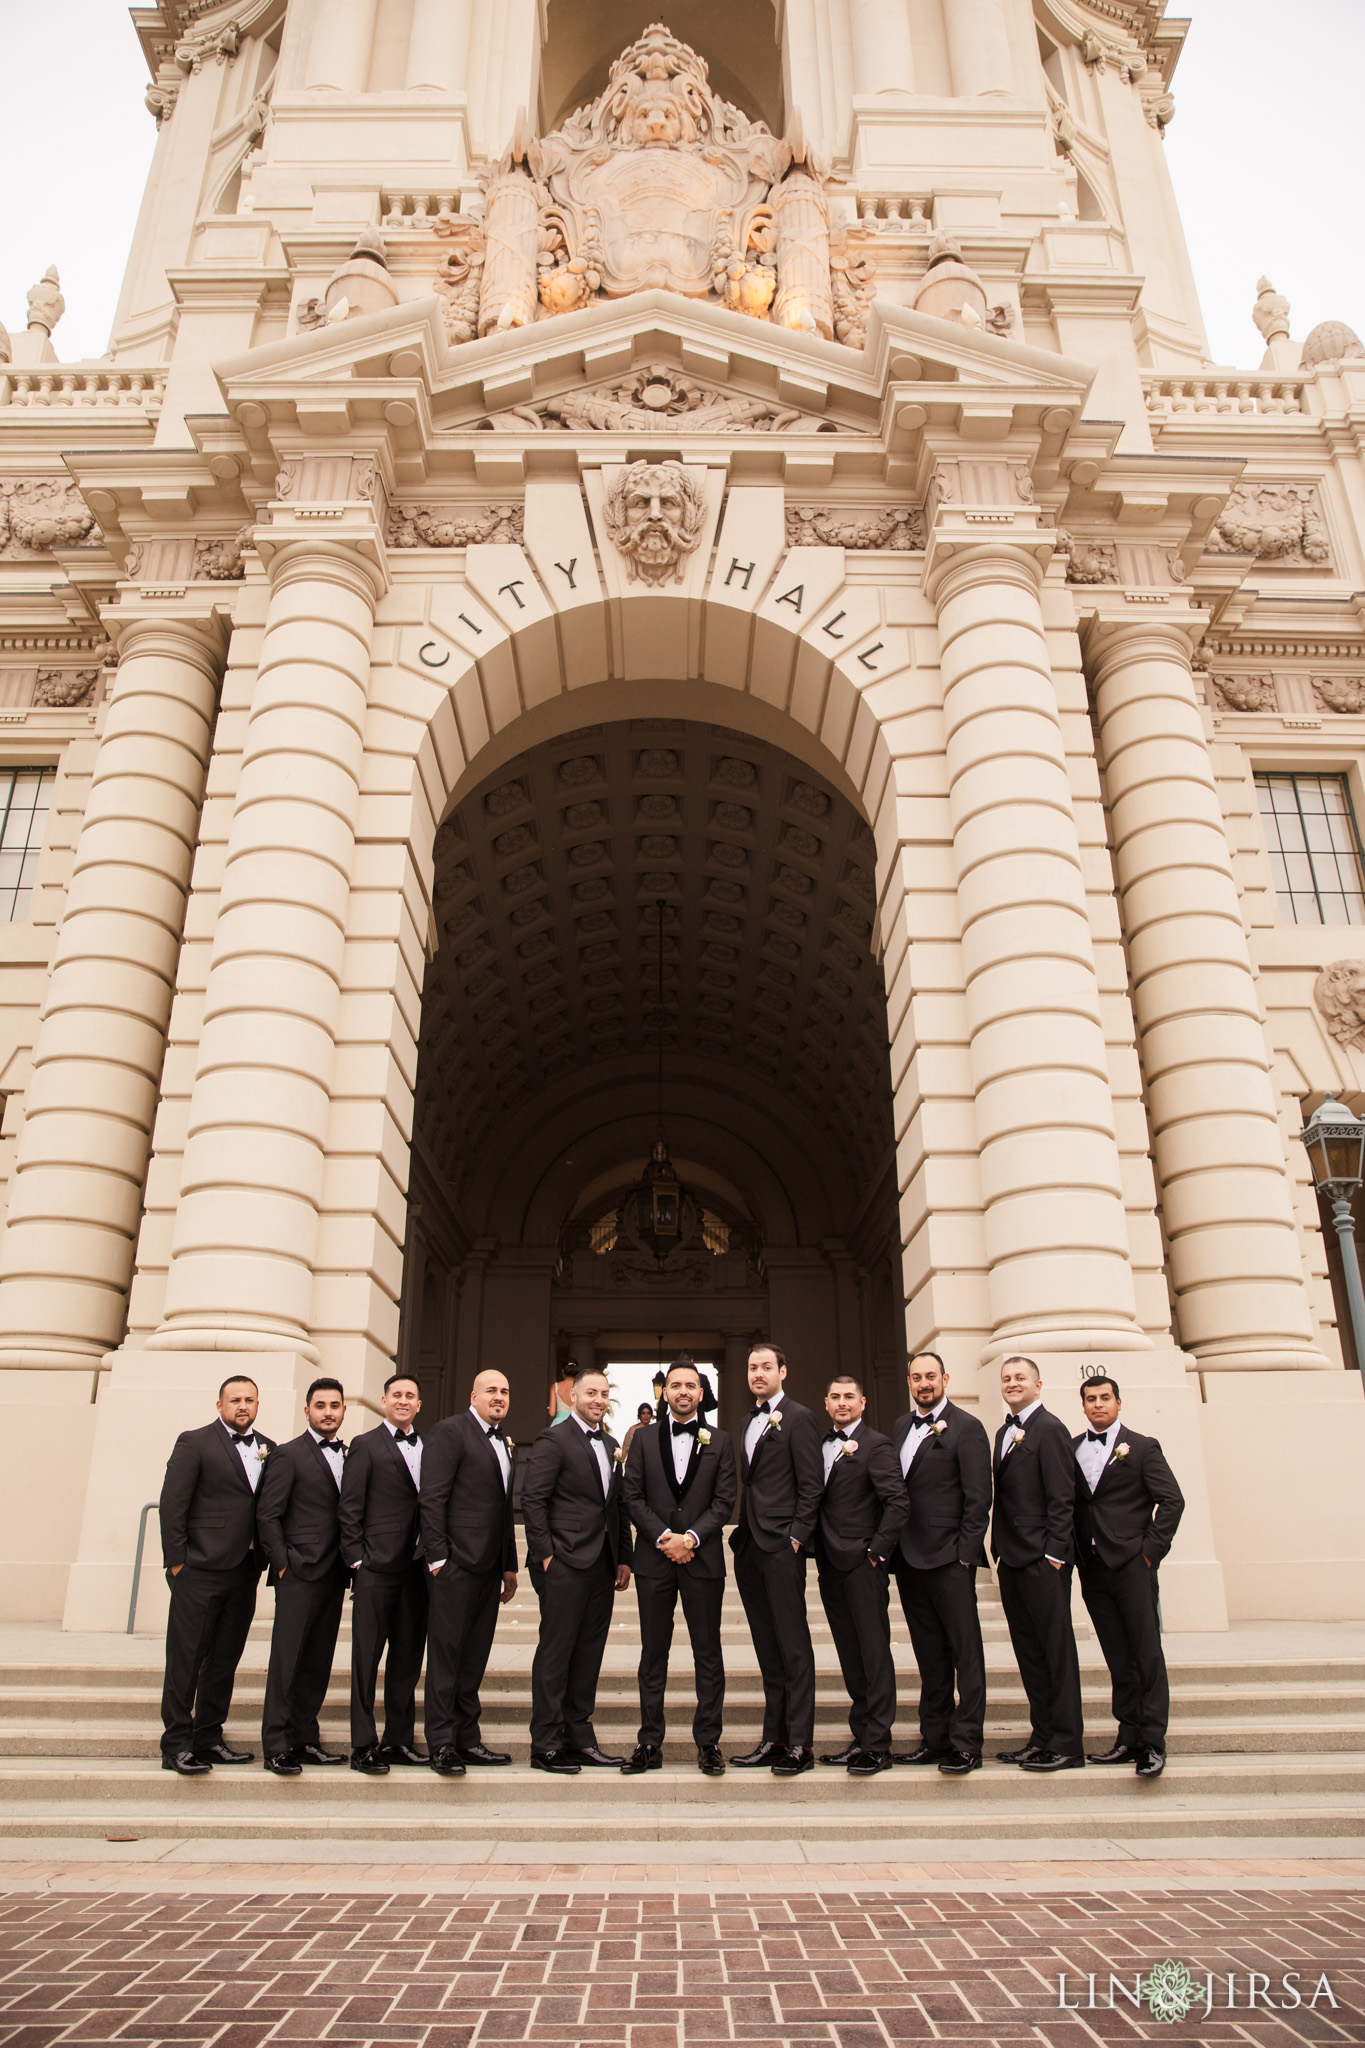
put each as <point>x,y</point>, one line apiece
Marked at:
<point>340,46</point>
<point>66,1258</point>
<point>978,48</point>
<point>246,1227</point>
<point>883,59</point>
<point>1226,1204</point>
<point>438,45</point>
<point>1055,1227</point>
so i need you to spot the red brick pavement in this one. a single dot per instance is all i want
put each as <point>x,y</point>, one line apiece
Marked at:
<point>839,1969</point>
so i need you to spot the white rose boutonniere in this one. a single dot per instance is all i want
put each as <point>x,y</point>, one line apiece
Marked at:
<point>1017,1434</point>
<point>619,1457</point>
<point>262,1452</point>
<point>1121,1452</point>
<point>703,1436</point>
<point>775,1422</point>
<point>939,1426</point>
<point>848,1450</point>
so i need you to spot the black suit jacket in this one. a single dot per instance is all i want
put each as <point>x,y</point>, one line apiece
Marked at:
<point>784,1483</point>
<point>297,1509</point>
<point>208,1509</point>
<point>704,1506</point>
<point>379,1504</point>
<point>1135,1507</point>
<point>1035,1493</point>
<point>567,1516</point>
<point>863,1506</point>
<point>948,1488</point>
<point>466,1509</point>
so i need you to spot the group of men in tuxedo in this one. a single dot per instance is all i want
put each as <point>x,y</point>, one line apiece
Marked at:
<point>422,1531</point>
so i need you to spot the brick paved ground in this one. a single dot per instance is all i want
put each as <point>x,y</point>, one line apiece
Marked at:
<point>840,1969</point>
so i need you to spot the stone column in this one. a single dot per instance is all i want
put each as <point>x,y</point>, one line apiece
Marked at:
<point>438,45</point>
<point>883,59</point>
<point>67,1254</point>
<point>339,51</point>
<point>246,1229</point>
<point>1055,1227</point>
<point>512,242</point>
<point>978,48</point>
<point>1235,1263</point>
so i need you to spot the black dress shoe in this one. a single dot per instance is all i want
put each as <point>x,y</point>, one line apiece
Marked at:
<point>219,1753</point>
<point>1052,1760</point>
<point>369,1763</point>
<point>644,1757</point>
<point>1151,1762</point>
<point>710,1762</point>
<point>925,1754</point>
<point>1026,1755</point>
<point>596,1758</point>
<point>765,1753</point>
<point>558,1760</point>
<point>865,1763</point>
<point>843,1756</point>
<point>958,1762</point>
<point>402,1753</point>
<point>477,1754</point>
<point>282,1765</point>
<point>799,1757</point>
<point>186,1764</point>
<point>1121,1753</point>
<point>314,1753</point>
<point>447,1762</point>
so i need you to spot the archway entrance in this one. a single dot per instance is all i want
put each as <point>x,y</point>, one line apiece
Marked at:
<point>563,883</point>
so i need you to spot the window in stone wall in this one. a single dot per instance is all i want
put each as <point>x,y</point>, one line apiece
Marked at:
<point>24,797</point>
<point>1314,845</point>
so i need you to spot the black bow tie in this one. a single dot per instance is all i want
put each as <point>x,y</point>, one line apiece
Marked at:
<point>595,1436</point>
<point>410,1438</point>
<point>836,1435</point>
<point>686,1428</point>
<point>247,1437</point>
<point>763,1408</point>
<point>329,1443</point>
<point>920,1421</point>
<point>1097,1436</point>
<point>496,1430</point>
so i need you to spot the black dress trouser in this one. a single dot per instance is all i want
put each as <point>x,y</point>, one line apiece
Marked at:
<point>1122,1603</point>
<point>461,1620</point>
<point>657,1596</point>
<point>858,1607</point>
<point>945,1633</point>
<point>206,1632</point>
<point>772,1585</point>
<point>575,1620</point>
<point>1037,1602</point>
<point>387,1607</point>
<point>302,1644</point>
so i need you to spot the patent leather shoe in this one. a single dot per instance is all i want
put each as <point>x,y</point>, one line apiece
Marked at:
<point>794,1760</point>
<point>1052,1760</point>
<point>765,1753</point>
<point>369,1763</point>
<point>561,1761</point>
<point>842,1756</point>
<point>314,1753</point>
<point>402,1753</point>
<point>925,1754</point>
<point>447,1762</point>
<point>282,1765</point>
<point>958,1762</point>
<point>219,1753</point>
<point>186,1764</point>
<point>595,1758</point>
<point>1121,1753</point>
<point>866,1763</point>
<point>710,1762</point>
<point>477,1754</point>
<point>1151,1762</point>
<point>1024,1755</point>
<point>644,1757</point>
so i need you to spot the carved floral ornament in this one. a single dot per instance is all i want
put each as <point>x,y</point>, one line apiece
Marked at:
<point>650,395</point>
<point>38,513</point>
<point>1339,993</point>
<point>1279,523</point>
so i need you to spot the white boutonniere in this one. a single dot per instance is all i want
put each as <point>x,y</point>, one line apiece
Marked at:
<point>1120,1451</point>
<point>262,1453</point>
<point>937,1428</point>
<point>509,1447</point>
<point>703,1436</point>
<point>775,1422</point>
<point>848,1450</point>
<point>619,1457</point>
<point>1017,1434</point>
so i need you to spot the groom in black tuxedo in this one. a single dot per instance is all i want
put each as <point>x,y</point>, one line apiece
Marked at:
<point>381,1544</point>
<point>299,1525</point>
<point>680,1487</point>
<point>1128,1508</point>
<point>861,1514</point>
<point>578,1541</point>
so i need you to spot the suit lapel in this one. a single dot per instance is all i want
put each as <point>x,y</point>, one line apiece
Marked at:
<point>399,1460</point>
<point>233,1456</point>
<point>1108,1464</point>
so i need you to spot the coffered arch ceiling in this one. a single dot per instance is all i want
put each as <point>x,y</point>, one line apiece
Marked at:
<point>541,1018</point>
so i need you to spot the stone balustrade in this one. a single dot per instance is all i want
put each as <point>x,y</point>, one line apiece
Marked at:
<point>1224,391</point>
<point>103,387</point>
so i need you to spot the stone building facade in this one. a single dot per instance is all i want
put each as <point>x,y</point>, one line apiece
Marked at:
<point>688,584</point>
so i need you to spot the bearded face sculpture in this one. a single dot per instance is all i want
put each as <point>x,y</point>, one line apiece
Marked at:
<point>654,515</point>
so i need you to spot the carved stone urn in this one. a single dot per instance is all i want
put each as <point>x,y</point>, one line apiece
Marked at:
<point>949,289</point>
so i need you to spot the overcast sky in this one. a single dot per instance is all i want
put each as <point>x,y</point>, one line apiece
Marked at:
<point>1267,151</point>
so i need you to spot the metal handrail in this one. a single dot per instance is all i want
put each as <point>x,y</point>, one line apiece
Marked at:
<point>151,1507</point>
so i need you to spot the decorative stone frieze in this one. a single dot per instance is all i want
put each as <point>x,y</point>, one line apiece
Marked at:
<point>1339,993</point>
<point>61,689</point>
<point>650,396</point>
<point>453,526</point>
<point>220,561</point>
<point>899,528</point>
<point>1089,561</point>
<point>40,513</point>
<point>1246,693</point>
<point>1279,523</point>
<point>1340,693</point>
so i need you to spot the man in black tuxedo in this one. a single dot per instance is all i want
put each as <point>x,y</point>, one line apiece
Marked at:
<point>578,1541</point>
<point>945,1456</point>
<point>784,1484</point>
<point>861,1513</point>
<point>1128,1508</point>
<point>1033,1542</point>
<point>213,1567</point>
<point>381,1545</point>
<point>299,1527</point>
<point>471,1554</point>
<point>680,1487</point>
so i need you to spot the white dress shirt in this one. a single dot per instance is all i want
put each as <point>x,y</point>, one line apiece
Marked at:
<point>836,1449</point>
<point>1092,1458</point>
<point>499,1448</point>
<point>1018,1422</point>
<point>411,1453</point>
<point>335,1465</point>
<point>599,1450</point>
<point>754,1428</point>
<point>681,1447</point>
<point>249,1455</point>
<point>915,1437</point>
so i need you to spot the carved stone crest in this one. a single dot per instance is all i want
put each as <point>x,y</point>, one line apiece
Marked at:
<point>649,396</point>
<point>1339,993</point>
<point>1275,523</point>
<point>654,514</point>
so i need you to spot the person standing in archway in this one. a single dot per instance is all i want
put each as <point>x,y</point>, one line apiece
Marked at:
<point>784,1483</point>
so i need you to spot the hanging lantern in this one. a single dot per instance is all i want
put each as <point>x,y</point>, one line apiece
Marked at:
<point>659,1216</point>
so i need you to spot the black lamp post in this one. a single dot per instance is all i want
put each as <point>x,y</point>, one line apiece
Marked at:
<point>1335,1143</point>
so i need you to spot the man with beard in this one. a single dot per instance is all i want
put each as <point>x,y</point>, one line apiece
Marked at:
<point>300,1530</point>
<point>380,1541</point>
<point>861,1514</point>
<point>680,1486</point>
<point>1033,1540</point>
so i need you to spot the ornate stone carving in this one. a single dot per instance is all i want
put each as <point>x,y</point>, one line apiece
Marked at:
<point>1331,341</point>
<point>459,282</point>
<point>222,43</point>
<point>1339,993</point>
<point>220,561</point>
<point>654,513</point>
<point>60,688</point>
<point>1340,693</point>
<point>1246,693</point>
<point>159,100</point>
<point>45,302</point>
<point>1089,561</point>
<point>1273,522</point>
<point>651,395</point>
<point>1270,312</point>
<point>39,513</point>
<point>450,526</point>
<point>900,528</point>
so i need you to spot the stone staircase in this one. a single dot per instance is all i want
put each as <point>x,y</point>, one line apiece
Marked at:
<point>1262,1746</point>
